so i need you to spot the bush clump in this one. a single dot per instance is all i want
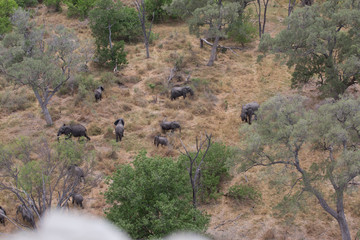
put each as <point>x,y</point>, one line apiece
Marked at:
<point>16,101</point>
<point>244,192</point>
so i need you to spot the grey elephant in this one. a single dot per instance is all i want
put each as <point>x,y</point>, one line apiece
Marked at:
<point>160,140</point>
<point>119,129</point>
<point>77,171</point>
<point>76,130</point>
<point>77,198</point>
<point>165,126</point>
<point>248,110</point>
<point>98,93</point>
<point>181,91</point>
<point>2,215</point>
<point>26,214</point>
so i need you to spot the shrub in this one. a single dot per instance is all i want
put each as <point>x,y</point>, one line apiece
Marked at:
<point>243,30</point>
<point>244,192</point>
<point>79,8</point>
<point>150,199</point>
<point>7,8</point>
<point>156,7</point>
<point>54,4</point>
<point>94,130</point>
<point>26,3</point>
<point>214,169</point>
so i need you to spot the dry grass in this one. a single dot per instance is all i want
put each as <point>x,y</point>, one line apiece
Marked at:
<point>219,93</point>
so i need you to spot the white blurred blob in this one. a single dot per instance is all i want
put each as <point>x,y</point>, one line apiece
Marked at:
<point>71,226</point>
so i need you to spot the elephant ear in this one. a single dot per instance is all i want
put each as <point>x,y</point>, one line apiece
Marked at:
<point>116,122</point>
<point>122,121</point>
<point>102,89</point>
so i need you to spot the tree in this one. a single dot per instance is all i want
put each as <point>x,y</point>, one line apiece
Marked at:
<point>42,64</point>
<point>262,23</point>
<point>38,175</point>
<point>140,7</point>
<point>283,130</point>
<point>7,8</point>
<point>321,44</point>
<point>156,7</point>
<point>207,168</point>
<point>111,21</point>
<point>216,15</point>
<point>152,199</point>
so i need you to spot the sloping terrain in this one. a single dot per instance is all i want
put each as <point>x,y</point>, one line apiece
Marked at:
<point>235,79</point>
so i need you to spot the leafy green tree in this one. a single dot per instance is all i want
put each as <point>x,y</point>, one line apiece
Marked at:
<point>26,3</point>
<point>29,60</point>
<point>79,8</point>
<point>322,45</point>
<point>156,7</point>
<point>111,21</point>
<point>285,128</point>
<point>152,198</point>
<point>242,30</point>
<point>214,169</point>
<point>54,4</point>
<point>7,8</point>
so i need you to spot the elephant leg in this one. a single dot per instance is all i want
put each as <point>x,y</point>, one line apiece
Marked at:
<point>255,116</point>
<point>81,205</point>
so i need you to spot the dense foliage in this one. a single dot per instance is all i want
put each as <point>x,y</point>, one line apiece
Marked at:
<point>322,45</point>
<point>111,24</point>
<point>152,198</point>
<point>7,8</point>
<point>244,192</point>
<point>79,8</point>
<point>156,7</point>
<point>213,170</point>
<point>283,130</point>
<point>26,3</point>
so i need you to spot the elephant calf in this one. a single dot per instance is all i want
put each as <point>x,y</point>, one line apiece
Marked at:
<point>180,91</point>
<point>2,215</point>
<point>78,199</point>
<point>248,110</point>
<point>160,140</point>
<point>26,214</point>
<point>98,93</point>
<point>119,129</point>
<point>76,171</point>
<point>76,130</point>
<point>165,126</point>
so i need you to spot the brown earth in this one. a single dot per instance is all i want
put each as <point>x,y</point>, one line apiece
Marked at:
<point>235,79</point>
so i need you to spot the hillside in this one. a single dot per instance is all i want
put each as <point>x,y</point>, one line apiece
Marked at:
<point>234,80</point>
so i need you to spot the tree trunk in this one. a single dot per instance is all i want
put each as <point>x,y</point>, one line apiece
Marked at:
<point>147,48</point>
<point>266,2</point>
<point>213,52</point>
<point>259,17</point>
<point>345,233</point>
<point>47,116</point>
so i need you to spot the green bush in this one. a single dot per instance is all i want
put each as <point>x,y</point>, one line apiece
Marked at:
<point>109,57</point>
<point>79,8</point>
<point>213,170</point>
<point>244,192</point>
<point>26,3</point>
<point>54,4</point>
<point>156,6</point>
<point>243,30</point>
<point>7,8</point>
<point>150,199</point>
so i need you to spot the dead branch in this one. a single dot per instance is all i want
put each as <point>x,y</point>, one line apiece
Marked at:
<point>219,46</point>
<point>228,221</point>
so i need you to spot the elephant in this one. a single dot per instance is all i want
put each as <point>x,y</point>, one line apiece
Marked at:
<point>98,93</point>
<point>248,110</point>
<point>2,215</point>
<point>160,140</point>
<point>165,126</point>
<point>119,129</point>
<point>26,214</point>
<point>76,130</point>
<point>77,171</point>
<point>180,91</point>
<point>78,199</point>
